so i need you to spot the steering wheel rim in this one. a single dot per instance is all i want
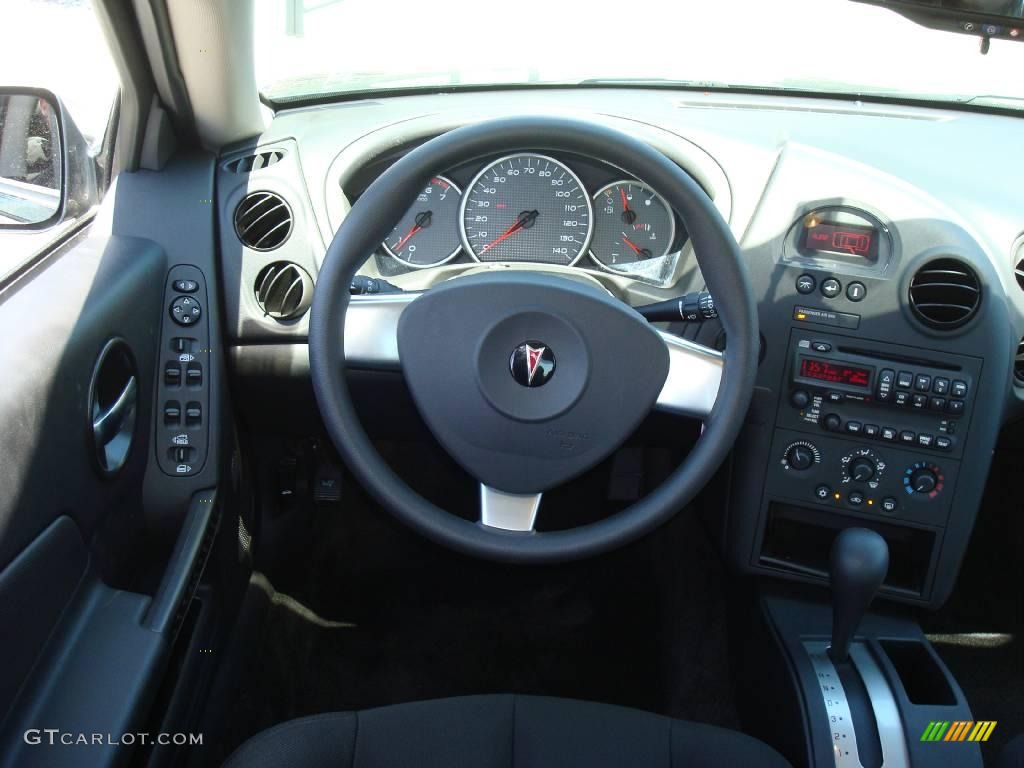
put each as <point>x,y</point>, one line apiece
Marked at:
<point>718,256</point>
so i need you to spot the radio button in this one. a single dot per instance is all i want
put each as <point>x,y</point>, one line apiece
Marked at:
<point>800,399</point>
<point>955,406</point>
<point>821,346</point>
<point>905,380</point>
<point>830,288</point>
<point>943,443</point>
<point>920,401</point>
<point>906,436</point>
<point>937,403</point>
<point>854,427</point>
<point>959,389</point>
<point>870,430</point>
<point>888,433</point>
<point>856,291</point>
<point>886,379</point>
<point>940,386</point>
<point>832,422</point>
<point>922,382</point>
<point>902,398</point>
<point>806,284</point>
<point>836,397</point>
<point>925,441</point>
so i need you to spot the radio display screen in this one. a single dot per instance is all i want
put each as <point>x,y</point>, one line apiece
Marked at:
<point>822,370</point>
<point>848,239</point>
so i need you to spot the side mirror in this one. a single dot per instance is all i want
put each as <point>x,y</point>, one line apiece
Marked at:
<point>46,172</point>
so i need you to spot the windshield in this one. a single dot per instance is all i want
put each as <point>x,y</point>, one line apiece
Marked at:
<point>347,46</point>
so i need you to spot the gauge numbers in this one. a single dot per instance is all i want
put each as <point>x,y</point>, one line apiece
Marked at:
<point>526,208</point>
<point>632,223</point>
<point>427,235</point>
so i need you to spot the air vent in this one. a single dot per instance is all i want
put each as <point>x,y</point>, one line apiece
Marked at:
<point>256,162</point>
<point>1018,365</point>
<point>945,294</point>
<point>1018,262</point>
<point>284,290</point>
<point>263,221</point>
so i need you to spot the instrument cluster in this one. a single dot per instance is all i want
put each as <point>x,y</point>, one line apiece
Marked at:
<point>533,208</point>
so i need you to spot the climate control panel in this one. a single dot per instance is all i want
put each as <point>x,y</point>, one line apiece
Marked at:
<point>829,472</point>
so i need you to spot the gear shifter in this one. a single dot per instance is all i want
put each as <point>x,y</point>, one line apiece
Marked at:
<point>859,561</point>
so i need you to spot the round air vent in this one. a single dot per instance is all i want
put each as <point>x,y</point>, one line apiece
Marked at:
<point>1018,365</point>
<point>284,290</point>
<point>945,294</point>
<point>263,221</point>
<point>1018,261</point>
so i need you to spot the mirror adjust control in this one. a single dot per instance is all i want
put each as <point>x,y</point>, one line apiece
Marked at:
<point>185,310</point>
<point>172,375</point>
<point>193,414</point>
<point>172,413</point>
<point>186,286</point>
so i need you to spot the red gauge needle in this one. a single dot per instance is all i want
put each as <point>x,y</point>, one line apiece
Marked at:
<point>524,220</point>
<point>633,246</point>
<point>625,202</point>
<point>398,246</point>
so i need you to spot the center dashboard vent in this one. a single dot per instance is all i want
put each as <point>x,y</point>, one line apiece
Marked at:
<point>255,162</point>
<point>263,221</point>
<point>945,293</point>
<point>283,290</point>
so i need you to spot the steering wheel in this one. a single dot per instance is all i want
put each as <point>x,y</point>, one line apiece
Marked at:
<point>526,378</point>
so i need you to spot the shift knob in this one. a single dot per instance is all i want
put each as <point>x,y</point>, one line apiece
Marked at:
<point>859,561</point>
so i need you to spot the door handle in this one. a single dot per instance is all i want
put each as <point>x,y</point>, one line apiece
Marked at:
<point>107,425</point>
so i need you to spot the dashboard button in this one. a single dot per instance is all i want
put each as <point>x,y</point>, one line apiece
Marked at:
<point>905,380</point>
<point>806,284</point>
<point>937,403</point>
<point>889,504</point>
<point>821,346</point>
<point>920,401</point>
<point>925,441</point>
<point>856,291</point>
<point>888,433</point>
<point>959,389</point>
<point>830,288</point>
<point>823,492</point>
<point>854,427</point>
<point>800,399</point>
<point>902,398</point>
<point>836,397</point>
<point>870,430</point>
<point>955,406</point>
<point>906,436</point>
<point>922,382</point>
<point>832,422</point>
<point>943,443</point>
<point>856,498</point>
<point>940,386</point>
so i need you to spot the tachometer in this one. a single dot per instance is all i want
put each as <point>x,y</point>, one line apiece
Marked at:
<point>526,207</point>
<point>632,223</point>
<point>428,233</point>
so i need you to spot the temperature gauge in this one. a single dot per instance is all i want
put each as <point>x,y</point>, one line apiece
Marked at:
<point>632,223</point>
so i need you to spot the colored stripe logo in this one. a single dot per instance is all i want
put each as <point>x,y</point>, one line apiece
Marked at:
<point>958,730</point>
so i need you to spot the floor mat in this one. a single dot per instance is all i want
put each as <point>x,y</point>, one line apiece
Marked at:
<point>384,617</point>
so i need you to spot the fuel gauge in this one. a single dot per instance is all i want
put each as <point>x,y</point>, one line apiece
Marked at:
<point>632,223</point>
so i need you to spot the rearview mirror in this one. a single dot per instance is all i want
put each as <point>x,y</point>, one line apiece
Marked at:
<point>46,172</point>
<point>988,19</point>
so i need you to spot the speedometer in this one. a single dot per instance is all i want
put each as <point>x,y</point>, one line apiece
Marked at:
<point>526,208</point>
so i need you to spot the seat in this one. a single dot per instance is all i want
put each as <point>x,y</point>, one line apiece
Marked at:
<point>500,731</point>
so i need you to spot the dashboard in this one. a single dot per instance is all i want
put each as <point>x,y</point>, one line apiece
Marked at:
<point>881,252</point>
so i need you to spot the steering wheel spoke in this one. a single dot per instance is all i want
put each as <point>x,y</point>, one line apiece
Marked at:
<point>371,330</point>
<point>508,511</point>
<point>694,377</point>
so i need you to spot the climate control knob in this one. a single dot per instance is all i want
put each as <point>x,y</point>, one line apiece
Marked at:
<point>862,469</point>
<point>800,456</point>
<point>923,481</point>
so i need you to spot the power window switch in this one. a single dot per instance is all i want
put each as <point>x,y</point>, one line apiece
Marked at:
<point>172,413</point>
<point>194,375</point>
<point>183,455</point>
<point>193,414</point>
<point>172,375</point>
